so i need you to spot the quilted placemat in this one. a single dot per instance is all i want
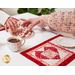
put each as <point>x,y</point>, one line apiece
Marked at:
<point>49,54</point>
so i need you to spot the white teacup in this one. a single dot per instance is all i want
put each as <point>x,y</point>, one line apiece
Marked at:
<point>15,43</point>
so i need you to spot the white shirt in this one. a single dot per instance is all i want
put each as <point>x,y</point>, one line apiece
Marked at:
<point>3,17</point>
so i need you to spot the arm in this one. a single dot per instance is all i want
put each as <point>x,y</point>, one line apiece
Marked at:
<point>60,21</point>
<point>57,21</point>
<point>8,21</point>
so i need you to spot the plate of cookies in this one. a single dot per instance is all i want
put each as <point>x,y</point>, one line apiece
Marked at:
<point>23,32</point>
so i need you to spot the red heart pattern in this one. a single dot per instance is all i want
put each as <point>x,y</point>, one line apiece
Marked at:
<point>48,53</point>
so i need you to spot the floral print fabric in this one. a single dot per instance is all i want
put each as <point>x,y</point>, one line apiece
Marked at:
<point>60,21</point>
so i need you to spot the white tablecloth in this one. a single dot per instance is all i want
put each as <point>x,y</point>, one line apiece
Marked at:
<point>16,58</point>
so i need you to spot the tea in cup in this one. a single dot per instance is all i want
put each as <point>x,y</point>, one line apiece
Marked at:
<point>15,43</point>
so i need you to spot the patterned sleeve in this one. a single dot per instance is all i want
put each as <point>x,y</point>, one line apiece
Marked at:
<point>60,21</point>
<point>44,20</point>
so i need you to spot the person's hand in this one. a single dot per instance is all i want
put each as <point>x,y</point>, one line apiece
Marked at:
<point>32,21</point>
<point>11,24</point>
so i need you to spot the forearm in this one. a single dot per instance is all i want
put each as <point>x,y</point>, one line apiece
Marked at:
<point>3,17</point>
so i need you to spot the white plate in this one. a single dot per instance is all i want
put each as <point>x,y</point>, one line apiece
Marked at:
<point>65,42</point>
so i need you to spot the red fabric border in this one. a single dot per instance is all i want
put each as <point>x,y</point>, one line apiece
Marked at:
<point>41,64</point>
<point>68,60</point>
<point>2,29</point>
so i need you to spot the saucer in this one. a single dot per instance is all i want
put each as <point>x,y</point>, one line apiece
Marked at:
<point>65,42</point>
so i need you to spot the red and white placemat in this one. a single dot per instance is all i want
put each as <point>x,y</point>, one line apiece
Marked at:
<point>1,27</point>
<point>49,54</point>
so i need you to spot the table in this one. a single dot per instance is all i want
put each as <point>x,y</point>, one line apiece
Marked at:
<point>16,58</point>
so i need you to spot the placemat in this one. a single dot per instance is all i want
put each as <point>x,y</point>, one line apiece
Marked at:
<point>49,54</point>
<point>2,27</point>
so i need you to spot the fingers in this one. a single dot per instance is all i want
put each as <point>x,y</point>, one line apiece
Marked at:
<point>14,23</point>
<point>10,26</point>
<point>30,28</point>
<point>11,23</point>
<point>26,23</point>
<point>6,27</point>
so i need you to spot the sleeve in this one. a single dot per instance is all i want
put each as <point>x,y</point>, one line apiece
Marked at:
<point>3,17</point>
<point>44,21</point>
<point>60,21</point>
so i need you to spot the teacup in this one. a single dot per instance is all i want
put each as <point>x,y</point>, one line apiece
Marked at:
<point>15,43</point>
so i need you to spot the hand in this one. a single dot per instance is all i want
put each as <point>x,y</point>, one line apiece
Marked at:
<point>11,24</point>
<point>32,21</point>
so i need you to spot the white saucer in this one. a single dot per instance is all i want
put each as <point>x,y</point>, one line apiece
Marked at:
<point>65,42</point>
